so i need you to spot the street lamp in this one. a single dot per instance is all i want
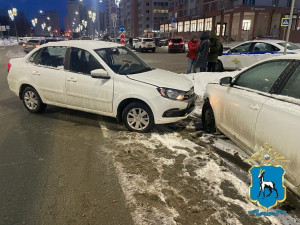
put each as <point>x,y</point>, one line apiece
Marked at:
<point>43,27</point>
<point>34,22</point>
<point>12,13</point>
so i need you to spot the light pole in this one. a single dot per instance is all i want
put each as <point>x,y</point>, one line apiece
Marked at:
<point>289,27</point>
<point>12,13</point>
<point>92,16</point>
<point>43,27</point>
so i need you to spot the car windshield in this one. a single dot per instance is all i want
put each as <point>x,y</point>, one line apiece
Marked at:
<point>148,40</point>
<point>177,40</point>
<point>290,46</point>
<point>122,60</point>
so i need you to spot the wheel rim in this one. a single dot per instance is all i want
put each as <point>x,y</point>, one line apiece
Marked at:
<point>31,100</point>
<point>138,119</point>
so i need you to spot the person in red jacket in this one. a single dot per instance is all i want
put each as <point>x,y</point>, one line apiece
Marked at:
<point>192,46</point>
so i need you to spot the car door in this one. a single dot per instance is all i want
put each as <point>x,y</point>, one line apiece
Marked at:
<point>241,103</point>
<point>48,71</point>
<point>278,124</point>
<point>236,57</point>
<point>84,91</point>
<point>261,51</point>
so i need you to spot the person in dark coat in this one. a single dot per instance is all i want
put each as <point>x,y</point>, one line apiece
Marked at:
<point>130,42</point>
<point>214,46</point>
<point>192,47</point>
<point>202,53</point>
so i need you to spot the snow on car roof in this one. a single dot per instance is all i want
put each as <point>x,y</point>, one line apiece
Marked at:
<point>267,40</point>
<point>84,44</point>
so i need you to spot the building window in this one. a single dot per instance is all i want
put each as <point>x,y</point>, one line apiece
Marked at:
<point>289,3</point>
<point>166,27</point>
<point>147,18</point>
<point>200,25</point>
<point>187,26</point>
<point>246,25</point>
<point>147,11</point>
<point>180,26</point>
<point>208,24</point>
<point>193,25</point>
<point>275,2</point>
<point>248,2</point>
<point>147,3</point>
<point>162,28</point>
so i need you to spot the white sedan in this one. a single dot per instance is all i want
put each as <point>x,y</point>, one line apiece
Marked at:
<point>260,105</point>
<point>103,78</point>
<point>251,52</point>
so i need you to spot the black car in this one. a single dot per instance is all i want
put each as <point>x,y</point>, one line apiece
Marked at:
<point>163,42</point>
<point>176,45</point>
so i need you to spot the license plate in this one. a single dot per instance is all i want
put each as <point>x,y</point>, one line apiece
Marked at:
<point>176,44</point>
<point>149,45</point>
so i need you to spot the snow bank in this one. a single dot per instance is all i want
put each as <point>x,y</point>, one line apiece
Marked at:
<point>8,42</point>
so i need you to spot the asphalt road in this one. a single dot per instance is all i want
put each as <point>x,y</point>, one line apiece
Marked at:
<point>53,169</point>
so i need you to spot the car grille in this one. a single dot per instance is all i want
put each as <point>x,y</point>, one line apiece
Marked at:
<point>189,94</point>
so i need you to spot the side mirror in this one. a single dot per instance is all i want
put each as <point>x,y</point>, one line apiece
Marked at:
<point>100,74</point>
<point>226,81</point>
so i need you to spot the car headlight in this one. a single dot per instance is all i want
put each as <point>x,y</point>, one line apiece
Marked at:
<point>171,93</point>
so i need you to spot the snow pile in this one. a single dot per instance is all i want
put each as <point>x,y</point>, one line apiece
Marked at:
<point>8,42</point>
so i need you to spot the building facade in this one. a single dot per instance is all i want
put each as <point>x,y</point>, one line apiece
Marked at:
<point>112,8</point>
<point>232,20</point>
<point>143,16</point>
<point>53,22</point>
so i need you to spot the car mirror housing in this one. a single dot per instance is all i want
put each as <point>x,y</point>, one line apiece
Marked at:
<point>100,74</point>
<point>226,81</point>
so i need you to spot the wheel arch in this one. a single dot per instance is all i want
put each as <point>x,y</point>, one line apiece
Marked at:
<point>126,102</point>
<point>22,88</point>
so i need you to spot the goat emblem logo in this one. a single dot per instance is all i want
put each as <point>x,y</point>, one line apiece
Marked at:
<point>267,185</point>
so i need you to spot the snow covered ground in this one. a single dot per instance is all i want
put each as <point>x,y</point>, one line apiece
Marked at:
<point>8,42</point>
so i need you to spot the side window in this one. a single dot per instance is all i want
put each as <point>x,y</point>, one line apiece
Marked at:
<point>241,48</point>
<point>264,47</point>
<point>81,61</point>
<point>33,56</point>
<point>292,87</point>
<point>52,57</point>
<point>263,76</point>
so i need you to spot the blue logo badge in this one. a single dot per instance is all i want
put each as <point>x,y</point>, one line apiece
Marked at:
<point>267,185</point>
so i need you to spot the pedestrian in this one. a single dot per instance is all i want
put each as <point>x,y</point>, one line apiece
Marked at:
<point>130,42</point>
<point>214,46</point>
<point>192,47</point>
<point>202,53</point>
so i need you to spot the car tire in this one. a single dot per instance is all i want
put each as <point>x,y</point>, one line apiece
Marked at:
<point>136,112</point>
<point>153,50</point>
<point>208,118</point>
<point>219,66</point>
<point>32,101</point>
<point>140,49</point>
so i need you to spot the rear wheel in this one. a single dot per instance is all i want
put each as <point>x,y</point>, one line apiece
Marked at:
<point>32,100</point>
<point>219,66</point>
<point>208,118</point>
<point>138,117</point>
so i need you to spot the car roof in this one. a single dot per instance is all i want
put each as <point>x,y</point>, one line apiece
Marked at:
<point>84,44</point>
<point>266,41</point>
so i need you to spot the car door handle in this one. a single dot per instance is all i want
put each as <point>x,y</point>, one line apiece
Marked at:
<point>35,73</point>
<point>253,107</point>
<point>72,79</point>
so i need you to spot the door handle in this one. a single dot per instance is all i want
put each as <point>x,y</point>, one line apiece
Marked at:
<point>72,79</point>
<point>35,73</point>
<point>253,107</point>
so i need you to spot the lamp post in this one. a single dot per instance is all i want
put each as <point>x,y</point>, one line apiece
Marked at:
<point>84,23</point>
<point>92,16</point>
<point>12,13</point>
<point>43,27</point>
<point>289,27</point>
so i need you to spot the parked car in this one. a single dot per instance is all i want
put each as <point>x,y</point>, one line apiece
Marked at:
<point>251,52</point>
<point>134,40</point>
<point>32,44</point>
<point>156,40</point>
<point>176,45</point>
<point>163,42</point>
<point>144,44</point>
<point>260,105</point>
<point>85,38</point>
<point>102,78</point>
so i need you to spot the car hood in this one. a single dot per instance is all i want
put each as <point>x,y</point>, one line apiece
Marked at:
<point>163,78</point>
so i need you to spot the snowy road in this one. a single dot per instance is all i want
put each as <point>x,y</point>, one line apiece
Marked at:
<point>176,174</point>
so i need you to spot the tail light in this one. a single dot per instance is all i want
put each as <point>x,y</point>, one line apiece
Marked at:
<point>143,42</point>
<point>8,67</point>
<point>182,43</point>
<point>37,45</point>
<point>170,43</point>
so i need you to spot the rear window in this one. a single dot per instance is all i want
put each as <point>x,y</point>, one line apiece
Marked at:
<point>33,41</point>
<point>148,40</point>
<point>177,40</point>
<point>290,46</point>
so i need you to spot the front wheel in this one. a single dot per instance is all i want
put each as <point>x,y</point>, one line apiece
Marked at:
<point>153,50</point>
<point>32,100</point>
<point>208,118</point>
<point>138,117</point>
